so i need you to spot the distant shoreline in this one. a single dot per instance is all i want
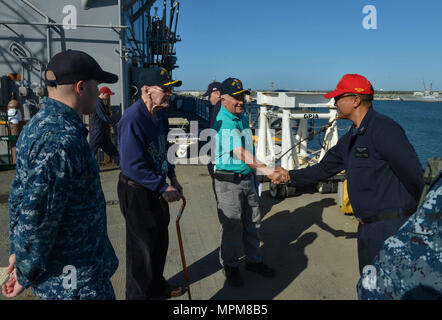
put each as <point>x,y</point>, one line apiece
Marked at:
<point>376,94</point>
<point>379,95</point>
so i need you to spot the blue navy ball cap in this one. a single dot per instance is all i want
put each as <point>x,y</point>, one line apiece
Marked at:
<point>214,86</point>
<point>157,76</point>
<point>70,66</point>
<point>233,87</point>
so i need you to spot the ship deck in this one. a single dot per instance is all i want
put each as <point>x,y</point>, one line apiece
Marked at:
<point>306,238</point>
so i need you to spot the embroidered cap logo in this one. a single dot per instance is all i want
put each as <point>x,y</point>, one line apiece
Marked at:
<point>237,83</point>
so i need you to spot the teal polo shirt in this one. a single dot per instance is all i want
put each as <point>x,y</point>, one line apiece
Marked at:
<point>232,131</point>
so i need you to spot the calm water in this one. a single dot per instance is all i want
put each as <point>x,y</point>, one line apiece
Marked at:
<point>422,122</point>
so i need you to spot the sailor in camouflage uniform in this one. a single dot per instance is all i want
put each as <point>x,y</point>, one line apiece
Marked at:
<point>409,265</point>
<point>57,212</point>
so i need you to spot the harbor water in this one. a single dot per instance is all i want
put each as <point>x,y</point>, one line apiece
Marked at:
<point>420,120</point>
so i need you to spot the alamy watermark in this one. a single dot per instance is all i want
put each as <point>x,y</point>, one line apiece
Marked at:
<point>219,146</point>
<point>369,277</point>
<point>70,18</point>
<point>370,20</point>
<point>70,278</point>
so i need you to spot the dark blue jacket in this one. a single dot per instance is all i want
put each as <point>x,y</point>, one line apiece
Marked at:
<point>212,117</point>
<point>142,139</point>
<point>100,121</point>
<point>383,171</point>
<point>213,113</point>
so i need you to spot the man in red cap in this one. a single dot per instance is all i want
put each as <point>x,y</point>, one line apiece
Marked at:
<point>99,135</point>
<point>385,177</point>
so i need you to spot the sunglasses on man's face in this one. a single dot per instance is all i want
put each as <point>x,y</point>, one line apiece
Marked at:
<point>343,96</point>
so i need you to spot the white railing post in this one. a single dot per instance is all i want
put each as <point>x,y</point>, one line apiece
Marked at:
<point>287,159</point>
<point>271,147</point>
<point>331,134</point>
<point>261,151</point>
<point>304,135</point>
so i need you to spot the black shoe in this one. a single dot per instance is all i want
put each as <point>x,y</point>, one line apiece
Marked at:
<point>233,276</point>
<point>261,269</point>
<point>168,292</point>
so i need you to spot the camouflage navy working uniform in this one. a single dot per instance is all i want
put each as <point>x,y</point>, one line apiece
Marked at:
<point>409,265</point>
<point>57,210</point>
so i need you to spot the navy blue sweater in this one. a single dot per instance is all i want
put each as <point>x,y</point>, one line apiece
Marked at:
<point>142,140</point>
<point>383,171</point>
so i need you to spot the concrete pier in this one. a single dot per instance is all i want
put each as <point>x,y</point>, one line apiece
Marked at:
<point>306,238</point>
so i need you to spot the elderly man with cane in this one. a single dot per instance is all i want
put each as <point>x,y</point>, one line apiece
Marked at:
<point>143,190</point>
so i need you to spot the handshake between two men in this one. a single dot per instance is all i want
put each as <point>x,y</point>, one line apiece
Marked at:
<point>280,175</point>
<point>277,175</point>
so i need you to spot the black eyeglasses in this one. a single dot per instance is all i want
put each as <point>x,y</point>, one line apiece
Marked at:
<point>343,96</point>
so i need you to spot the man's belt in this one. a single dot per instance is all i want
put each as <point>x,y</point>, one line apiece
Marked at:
<point>130,182</point>
<point>230,176</point>
<point>385,216</point>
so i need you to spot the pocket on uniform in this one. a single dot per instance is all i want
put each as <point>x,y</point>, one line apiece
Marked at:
<point>363,175</point>
<point>362,163</point>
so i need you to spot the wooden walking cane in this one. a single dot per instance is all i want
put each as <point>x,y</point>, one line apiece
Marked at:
<point>180,241</point>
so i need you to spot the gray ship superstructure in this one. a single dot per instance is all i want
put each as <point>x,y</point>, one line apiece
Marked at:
<point>121,35</point>
<point>124,36</point>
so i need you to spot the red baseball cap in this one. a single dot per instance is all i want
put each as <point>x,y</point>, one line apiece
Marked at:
<point>106,90</point>
<point>351,83</point>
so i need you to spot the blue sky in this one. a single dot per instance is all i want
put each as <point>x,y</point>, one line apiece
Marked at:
<point>309,45</point>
